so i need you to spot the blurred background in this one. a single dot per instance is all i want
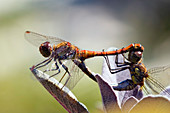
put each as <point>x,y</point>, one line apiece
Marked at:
<point>88,24</point>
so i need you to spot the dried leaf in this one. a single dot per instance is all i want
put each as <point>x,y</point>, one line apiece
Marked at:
<point>64,96</point>
<point>108,96</point>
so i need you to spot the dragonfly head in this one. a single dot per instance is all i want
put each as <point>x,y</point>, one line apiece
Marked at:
<point>137,47</point>
<point>45,49</point>
<point>135,56</point>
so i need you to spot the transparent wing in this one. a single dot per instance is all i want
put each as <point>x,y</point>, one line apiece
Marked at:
<point>158,79</point>
<point>161,74</point>
<point>76,75</point>
<point>37,39</point>
<point>75,72</point>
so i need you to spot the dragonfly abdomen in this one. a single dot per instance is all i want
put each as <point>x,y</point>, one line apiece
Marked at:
<point>84,54</point>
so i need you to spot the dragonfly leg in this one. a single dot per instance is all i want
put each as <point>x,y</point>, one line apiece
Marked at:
<point>44,63</point>
<point>116,70</point>
<point>107,62</point>
<point>83,67</point>
<point>112,71</point>
<point>65,67</point>
<point>124,56</point>
<point>66,80</point>
<point>125,85</point>
<point>57,68</point>
<point>120,64</point>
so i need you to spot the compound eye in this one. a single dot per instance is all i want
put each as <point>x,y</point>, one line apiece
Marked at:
<point>138,54</point>
<point>45,49</point>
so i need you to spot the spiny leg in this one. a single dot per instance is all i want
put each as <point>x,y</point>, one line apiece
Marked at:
<point>107,60</point>
<point>45,61</point>
<point>66,80</point>
<point>112,71</point>
<point>124,62</point>
<point>57,68</point>
<point>116,70</point>
<point>66,69</point>
<point>120,64</point>
<point>51,69</point>
<point>62,77</point>
<point>124,55</point>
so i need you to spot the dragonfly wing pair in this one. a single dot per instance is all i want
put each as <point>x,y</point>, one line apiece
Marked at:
<point>158,79</point>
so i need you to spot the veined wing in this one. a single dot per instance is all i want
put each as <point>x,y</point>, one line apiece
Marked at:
<point>75,72</point>
<point>76,75</point>
<point>37,39</point>
<point>158,79</point>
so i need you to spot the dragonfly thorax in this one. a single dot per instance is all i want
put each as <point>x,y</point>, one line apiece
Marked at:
<point>45,49</point>
<point>64,51</point>
<point>137,75</point>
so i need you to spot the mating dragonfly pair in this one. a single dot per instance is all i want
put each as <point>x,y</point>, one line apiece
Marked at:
<point>61,51</point>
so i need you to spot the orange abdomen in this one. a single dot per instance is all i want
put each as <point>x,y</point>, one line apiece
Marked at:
<point>84,54</point>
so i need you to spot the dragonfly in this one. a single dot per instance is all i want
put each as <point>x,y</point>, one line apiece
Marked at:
<point>151,81</point>
<point>61,51</point>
